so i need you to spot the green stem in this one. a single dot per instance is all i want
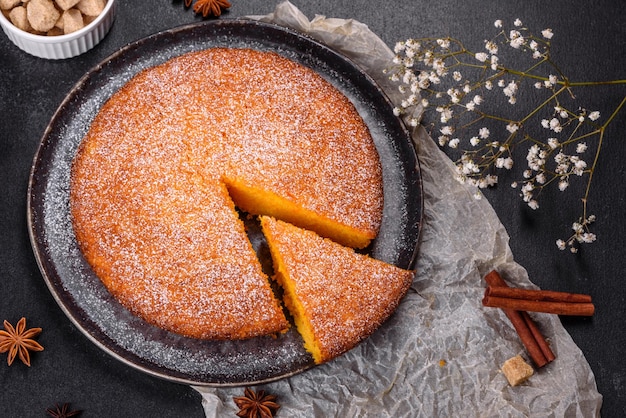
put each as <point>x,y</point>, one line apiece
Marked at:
<point>542,105</point>
<point>593,83</point>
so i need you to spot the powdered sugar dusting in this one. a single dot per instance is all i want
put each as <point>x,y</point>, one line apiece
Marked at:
<point>151,214</point>
<point>73,282</point>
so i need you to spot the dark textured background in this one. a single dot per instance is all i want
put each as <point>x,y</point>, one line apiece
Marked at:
<point>589,44</point>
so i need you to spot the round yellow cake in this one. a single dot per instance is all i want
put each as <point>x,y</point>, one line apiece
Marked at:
<point>167,158</point>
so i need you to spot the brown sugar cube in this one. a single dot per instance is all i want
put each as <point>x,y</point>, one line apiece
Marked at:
<point>59,23</point>
<point>66,4</point>
<point>55,31</point>
<point>19,19</point>
<point>9,4</point>
<point>88,19</point>
<point>91,7</point>
<point>516,370</point>
<point>72,21</point>
<point>42,15</point>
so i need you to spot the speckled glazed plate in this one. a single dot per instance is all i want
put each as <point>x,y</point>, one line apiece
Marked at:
<point>80,293</point>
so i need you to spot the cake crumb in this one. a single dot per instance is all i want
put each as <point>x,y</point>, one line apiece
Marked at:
<point>516,370</point>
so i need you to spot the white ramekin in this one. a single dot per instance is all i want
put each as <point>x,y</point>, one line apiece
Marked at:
<point>62,46</point>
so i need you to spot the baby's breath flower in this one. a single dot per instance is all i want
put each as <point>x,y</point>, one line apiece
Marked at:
<point>469,167</point>
<point>547,33</point>
<point>494,62</point>
<point>540,178</point>
<point>553,143</point>
<point>446,115</point>
<point>555,125</point>
<point>447,130</point>
<point>579,166</point>
<point>506,163</point>
<point>512,127</point>
<point>444,43</point>
<point>492,47</point>
<point>510,89</point>
<point>481,56</point>
<point>438,75</point>
<point>517,40</point>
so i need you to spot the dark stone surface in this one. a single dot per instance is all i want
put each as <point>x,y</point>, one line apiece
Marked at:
<point>589,44</point>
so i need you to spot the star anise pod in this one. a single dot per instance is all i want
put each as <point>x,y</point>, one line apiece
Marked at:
<point>209,7</point>
<point>256,404</point>
<point>17,341</point>
<point>62,411</point>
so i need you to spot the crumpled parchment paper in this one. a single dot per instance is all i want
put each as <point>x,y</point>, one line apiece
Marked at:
<point>441,353</point>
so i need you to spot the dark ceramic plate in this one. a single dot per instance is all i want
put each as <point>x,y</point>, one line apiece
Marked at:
<point>80,293</point>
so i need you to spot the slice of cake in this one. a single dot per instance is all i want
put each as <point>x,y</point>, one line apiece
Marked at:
<point>337,296</point>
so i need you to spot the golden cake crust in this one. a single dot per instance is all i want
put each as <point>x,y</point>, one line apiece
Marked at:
<point>149,198</point>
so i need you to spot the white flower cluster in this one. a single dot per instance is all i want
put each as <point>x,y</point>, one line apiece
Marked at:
<point>456,87</point>
<point>581,235</point>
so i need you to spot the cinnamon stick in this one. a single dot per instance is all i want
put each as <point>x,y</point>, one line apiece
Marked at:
<point>530,336</point>
<point>541,342</point>
<point>527,337</point>
<point>558,308</point>
<point>537,295</point>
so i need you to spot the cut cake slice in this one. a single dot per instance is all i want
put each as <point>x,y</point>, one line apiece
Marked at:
<point>337,296</point>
